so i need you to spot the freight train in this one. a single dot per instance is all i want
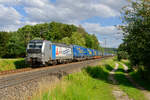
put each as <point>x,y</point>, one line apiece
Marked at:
<point>43,52</point>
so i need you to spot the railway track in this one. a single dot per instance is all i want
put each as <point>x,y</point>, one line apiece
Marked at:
<point>14,71</point>
<point>29,74</point>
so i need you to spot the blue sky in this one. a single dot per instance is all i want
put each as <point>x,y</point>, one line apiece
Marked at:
<point>98,17</point>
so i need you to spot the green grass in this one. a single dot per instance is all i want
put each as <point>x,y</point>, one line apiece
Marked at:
<point>83,87</point>
<point>10,64</point>
<point>124,84</point>
<point>127,63</point>
<point>89,84</point>
<point>136,75</point>
<point>127,86</point>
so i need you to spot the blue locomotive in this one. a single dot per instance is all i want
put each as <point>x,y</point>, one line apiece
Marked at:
<point>43,52</point>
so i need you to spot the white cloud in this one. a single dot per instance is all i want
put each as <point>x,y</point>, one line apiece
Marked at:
<point>9,17</point>
<point>111,34</point>
<point>10,2</point>
<point>30,23</point>
<point>34,3</point>
<point>98,29</point>
<point>67,11</point>
<point>114,4</point>
<point>105,11</point>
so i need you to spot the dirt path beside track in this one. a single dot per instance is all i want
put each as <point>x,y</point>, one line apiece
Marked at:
<point>117,92</point>
<point>145,92</point>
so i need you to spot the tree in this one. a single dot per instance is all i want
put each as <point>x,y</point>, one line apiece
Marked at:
<point>136,17</point>
<point>25,34</point>
<point>122,53</point>
<point>66,40</point>
<point>4,38</point>
<point>78,39</point>
<point>13,44</point>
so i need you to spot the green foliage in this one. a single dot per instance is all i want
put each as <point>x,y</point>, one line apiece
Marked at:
<point>25,34</point>
<point>66,40</point>
<point>82,38</point>
<point>137,32</point>
<point>11,64</point>
<point>78,39</point>
<point>122,53</point>
<point>125,85</point>
<point>4,37</point>
<point>81,86</point>
<point>142,81</point>
<point>91,41</point>
<point>13,44</point>
<point>92,83</point>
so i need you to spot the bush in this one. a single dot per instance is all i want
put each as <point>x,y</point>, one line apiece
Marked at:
<point>122,55</point>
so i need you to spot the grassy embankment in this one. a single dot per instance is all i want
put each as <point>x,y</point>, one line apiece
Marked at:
<point>89,84</point>
<point>10,64</point>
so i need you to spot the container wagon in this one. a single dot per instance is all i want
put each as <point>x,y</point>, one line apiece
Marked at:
<point>79,53</point>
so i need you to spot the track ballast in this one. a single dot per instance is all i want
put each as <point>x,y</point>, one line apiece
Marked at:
<point>59,70</point>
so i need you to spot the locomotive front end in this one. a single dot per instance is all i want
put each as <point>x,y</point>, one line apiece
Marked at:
<point>34,52</point>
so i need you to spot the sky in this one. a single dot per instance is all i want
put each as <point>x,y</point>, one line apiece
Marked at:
<point>99,17</point>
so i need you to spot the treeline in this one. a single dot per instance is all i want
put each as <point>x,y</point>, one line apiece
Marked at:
<point>13,44</point>
<point>136,46</point>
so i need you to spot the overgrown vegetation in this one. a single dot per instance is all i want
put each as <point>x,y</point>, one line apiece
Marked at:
<point>136,17</point>
<point>122,53</point>
<point>127,86</point>
<point>13,44</point>
<point>91,84</point>
<point>136,75</point>
<point>10,64</point>
<point>80,86</point>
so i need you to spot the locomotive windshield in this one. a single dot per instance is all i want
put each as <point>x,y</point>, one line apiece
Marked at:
<point>34,47</point>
